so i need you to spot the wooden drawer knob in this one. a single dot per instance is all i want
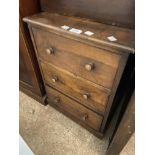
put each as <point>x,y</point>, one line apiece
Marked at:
<point>84,117</point>
<point>56,100</point>
<point>86,96</point>
<point>89,66</point>
<point>50,50</point>
<point>54,79</point>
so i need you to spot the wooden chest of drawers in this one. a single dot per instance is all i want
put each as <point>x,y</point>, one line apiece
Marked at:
<point>81,73</point>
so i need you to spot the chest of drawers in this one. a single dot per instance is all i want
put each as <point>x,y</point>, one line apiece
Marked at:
<point>81,73</point>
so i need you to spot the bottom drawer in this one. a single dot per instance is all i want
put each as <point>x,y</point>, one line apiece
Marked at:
<point>74,108</point>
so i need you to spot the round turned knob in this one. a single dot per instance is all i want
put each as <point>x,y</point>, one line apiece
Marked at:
<point>89,66</point>
<point>54,79</point>
<point>84,117</point>
<point>86,96</point>
<point>50,50</point>
<point>56,100</point>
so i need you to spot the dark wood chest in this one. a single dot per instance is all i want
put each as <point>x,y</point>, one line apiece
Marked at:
<point>81,72</point>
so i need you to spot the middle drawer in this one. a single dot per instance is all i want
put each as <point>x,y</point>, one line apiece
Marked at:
<point>87,93</point>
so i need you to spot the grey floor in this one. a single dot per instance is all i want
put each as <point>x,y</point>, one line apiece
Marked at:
<point>48,132</point>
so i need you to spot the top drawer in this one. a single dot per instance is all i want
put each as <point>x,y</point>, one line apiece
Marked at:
<point>91,63</point>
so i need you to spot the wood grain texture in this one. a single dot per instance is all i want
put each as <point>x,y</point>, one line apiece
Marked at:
<point>118,77</point>
<point>24,71</point>
<point>83,114</point>
<point>75,119</point>
<point>101,74</point>
<point>116,12</point>
<point>76,87</point>
<point>46,40</point>
<point>29,73</point>
<point>28,7</point>
<point>69,53</point>
<point>125,129</point>
<point>53,22</point>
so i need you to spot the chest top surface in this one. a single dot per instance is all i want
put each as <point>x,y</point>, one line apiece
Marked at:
<point>118,38</point>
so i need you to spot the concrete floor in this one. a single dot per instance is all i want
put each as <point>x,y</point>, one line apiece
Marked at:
<point>48,132</point>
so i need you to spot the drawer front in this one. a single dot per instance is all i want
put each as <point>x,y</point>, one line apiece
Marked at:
<point>80,112</point>
<point>85,61</point>
<point>88,93</point>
